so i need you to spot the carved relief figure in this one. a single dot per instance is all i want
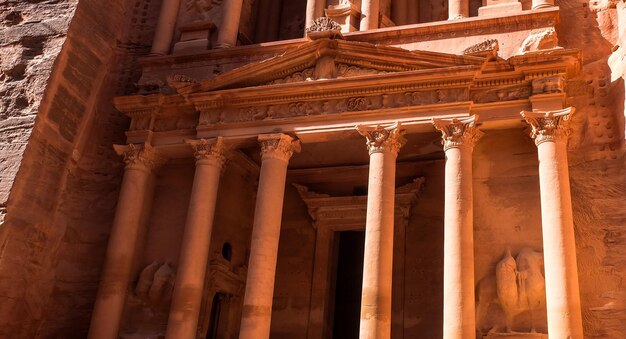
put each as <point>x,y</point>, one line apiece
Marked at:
<point>515,300</point>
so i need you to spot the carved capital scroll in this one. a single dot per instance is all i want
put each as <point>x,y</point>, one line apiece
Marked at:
<point>457,133</point>
<point>142,157</point>
<point>383,139</point>
<point>549,125</point>
<point>209,152</point>
<point>278,146</point>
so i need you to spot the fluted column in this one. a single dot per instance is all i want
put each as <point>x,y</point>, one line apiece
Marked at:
<point>194,253</point>
<point>459,136</point>
<point>370,10</point>
<point>314,10</point>
<point>276,150</point>
<point>383,144</point>
<point>550,131</point>
<point>165,27</point>
<point>458,9</point>
<point>542,3</point>
<point>229,28</point>
<point>107,311</point>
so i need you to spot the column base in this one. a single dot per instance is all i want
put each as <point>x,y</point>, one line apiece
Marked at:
<point>456,17</point>
<point>514,335</point>
<point>223,45</point>
<point>499,9</point>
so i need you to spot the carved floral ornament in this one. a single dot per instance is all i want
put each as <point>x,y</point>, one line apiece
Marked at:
<point>456,133</point>
<point>278,146</point>
<point>323,24</point>
<point>549,125</point>
<point>140,156</point>
<point>209,151</point>
<point>383,139</point>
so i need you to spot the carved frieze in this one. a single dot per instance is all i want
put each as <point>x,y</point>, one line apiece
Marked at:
<point>487,46</point>
<point>552,84</point>
<point>503,93</point>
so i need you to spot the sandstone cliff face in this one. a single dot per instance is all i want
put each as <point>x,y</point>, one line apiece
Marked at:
<point>597,171</point>
<point>59,175</point>
<point>61,62</point>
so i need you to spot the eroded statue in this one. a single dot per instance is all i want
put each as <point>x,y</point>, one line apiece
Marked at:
<point>514,299</point>
<point>203,10</point>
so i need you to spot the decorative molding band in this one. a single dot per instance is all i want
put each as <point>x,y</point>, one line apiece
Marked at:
<point>549,126</point>
<point>381,139</point>
<point>457,133</point>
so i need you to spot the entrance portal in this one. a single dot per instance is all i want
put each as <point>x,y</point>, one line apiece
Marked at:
<point>348,284</point>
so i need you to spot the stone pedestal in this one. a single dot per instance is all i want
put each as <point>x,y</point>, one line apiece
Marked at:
<point>550,131</point>
<point>194,37</point>
<point>383,144</point>
<point>276,150</point>
<point>516,336</point>
<point>116,274</point>
<point>459,137</point>
<point>194,254</point>
<point>500,7</point>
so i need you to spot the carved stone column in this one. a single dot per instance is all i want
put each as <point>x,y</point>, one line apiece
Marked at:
<point>383,144</point>
<point>458,9</point>
<point>116,273</point>
<point>400,12</point>
<point>370,11</point>
<point>550,131</point>
<point>194,253</point>
<point>542,3</point>
<point>314,10</point>
<point>229,28</point>
<point>165,27</point>
<point>276,150</point>
<point>459,136</point>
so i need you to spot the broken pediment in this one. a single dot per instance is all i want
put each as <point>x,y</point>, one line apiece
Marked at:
<point>331,58</point>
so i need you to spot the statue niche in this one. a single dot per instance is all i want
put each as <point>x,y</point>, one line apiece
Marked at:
<point>513,301</point>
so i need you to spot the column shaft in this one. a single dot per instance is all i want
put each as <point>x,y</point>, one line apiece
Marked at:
<point>383,144</point>
<point>458,263</point>
<point>314,10</point>
<point>370,10</point>
<point>458,9</point>
<point>229,28</point>
<point>562,291</point>
<point>116,273</point>
<point>257,305</point>
<point>413,12</point>
<point>165,27</point>
<point>194,253</point>
<point>399,12</point>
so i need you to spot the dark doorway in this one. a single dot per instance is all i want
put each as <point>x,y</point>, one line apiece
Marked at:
<point>214,322</point>
<point>348,284</point>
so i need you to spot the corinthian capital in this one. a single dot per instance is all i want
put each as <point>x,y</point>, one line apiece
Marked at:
<point>140,156</point>
<point>549,125</point>
<point>457,133</point>
<point>383,138</point>
<point>278,146</point>
<point>209,151</point>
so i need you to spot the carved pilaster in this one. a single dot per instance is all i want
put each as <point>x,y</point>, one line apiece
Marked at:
<point>278,146</point>
<point>549,125</point>
<point>209,151</point>
<point>457,133</point>
<point>143,157</point>
<point>383,139</point>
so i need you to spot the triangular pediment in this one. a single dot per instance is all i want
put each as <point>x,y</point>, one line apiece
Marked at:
<point>325,59</point>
